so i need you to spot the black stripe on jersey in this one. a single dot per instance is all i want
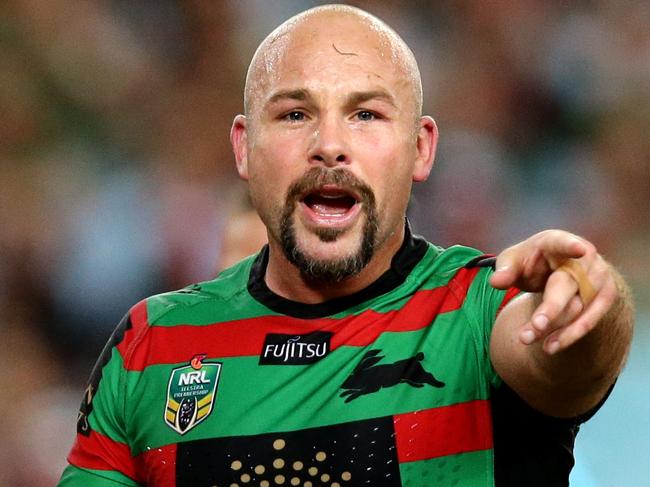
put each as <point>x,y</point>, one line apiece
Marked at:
<point>530,448</point>
<point>484,260</point>
<point>96,375</point>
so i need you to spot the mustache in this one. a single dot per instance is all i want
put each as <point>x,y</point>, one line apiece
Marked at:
<point>317,177</point>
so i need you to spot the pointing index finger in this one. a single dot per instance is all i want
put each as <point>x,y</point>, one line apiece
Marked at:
<point>560,246</point>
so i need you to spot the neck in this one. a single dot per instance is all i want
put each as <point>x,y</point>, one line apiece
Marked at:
<point>286,280</point>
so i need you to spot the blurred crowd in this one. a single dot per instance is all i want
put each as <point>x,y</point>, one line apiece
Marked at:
<point>117,180</point>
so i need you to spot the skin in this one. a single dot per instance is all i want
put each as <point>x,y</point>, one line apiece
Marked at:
<point>348,98</point>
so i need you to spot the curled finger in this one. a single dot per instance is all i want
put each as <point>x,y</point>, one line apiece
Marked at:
<point>584,323</point>
<point>560,289</point>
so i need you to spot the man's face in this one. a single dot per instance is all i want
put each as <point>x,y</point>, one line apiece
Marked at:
<point>332,148</point>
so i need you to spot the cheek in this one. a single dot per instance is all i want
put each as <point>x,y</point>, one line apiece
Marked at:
<point>391,175</point>
<point>277,153</point>
<point>267,163</point>
<point>370,141</point>
<point>271,172</point>
<point>387,163</point>
<point>388,142</point>
<point>394,197</point>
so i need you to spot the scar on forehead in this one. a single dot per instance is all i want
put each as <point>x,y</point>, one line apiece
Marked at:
<point>278,37</point>
<point>344,53</point>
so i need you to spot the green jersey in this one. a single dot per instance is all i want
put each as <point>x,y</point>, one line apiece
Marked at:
<point>225,383</point>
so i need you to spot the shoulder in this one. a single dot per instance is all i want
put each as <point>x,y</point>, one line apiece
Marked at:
<point>455,258</point>
<point>230,286</point>
<point>149,324</point>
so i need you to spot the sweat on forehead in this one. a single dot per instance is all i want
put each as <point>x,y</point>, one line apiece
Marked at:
<point>322,22</point>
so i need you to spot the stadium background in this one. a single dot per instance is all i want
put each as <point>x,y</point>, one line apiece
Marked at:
<point>117,179</point>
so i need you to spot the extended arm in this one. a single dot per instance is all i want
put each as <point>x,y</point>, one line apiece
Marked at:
<point>557,352</point>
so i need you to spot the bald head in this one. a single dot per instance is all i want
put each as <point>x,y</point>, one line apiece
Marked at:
<point>348,32</point>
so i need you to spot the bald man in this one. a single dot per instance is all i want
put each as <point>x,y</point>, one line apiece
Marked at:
<point>349,351</point>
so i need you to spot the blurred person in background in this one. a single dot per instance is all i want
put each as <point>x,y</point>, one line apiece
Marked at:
<point>243,235</point>
<point>329,148</point>
<point>93,94</point>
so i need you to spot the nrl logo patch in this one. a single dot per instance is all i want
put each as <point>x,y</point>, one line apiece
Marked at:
<point>191,394</point>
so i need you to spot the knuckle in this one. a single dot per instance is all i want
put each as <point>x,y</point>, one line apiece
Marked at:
<point>551,309</point>
<point>600,275</point>
<point>550,233</point>
<point>590,248</point>
<point>610,292</point>
<point>591,256</point>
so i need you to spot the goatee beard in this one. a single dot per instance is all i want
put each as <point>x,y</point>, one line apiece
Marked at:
<point>333,270</point>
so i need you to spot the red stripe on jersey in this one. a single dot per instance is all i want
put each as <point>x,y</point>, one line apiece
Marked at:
<point>99,452</point>
<point>158,466</point>
<point>139,315</point>
<point>419,312</point>
<point>460,428</point>
<point>174,344</point>
<point>132,336</point>
<point>510,294</point>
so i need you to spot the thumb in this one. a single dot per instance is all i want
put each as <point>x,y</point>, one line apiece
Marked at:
<point>507,269</point>
<point>503,277</point>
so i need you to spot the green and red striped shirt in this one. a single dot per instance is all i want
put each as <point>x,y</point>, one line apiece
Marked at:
<point>225,383</point>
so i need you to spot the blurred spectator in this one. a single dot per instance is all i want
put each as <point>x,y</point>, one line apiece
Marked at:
<point>117,179</point>
<point>243,235</point>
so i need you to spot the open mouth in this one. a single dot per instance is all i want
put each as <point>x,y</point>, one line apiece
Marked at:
<point>331,204</point>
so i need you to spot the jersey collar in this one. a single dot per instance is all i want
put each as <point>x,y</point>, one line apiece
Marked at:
<point>410,253</point>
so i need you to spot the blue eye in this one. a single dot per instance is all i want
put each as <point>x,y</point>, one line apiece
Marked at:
<point>366,116</point>
<point>295,116</point>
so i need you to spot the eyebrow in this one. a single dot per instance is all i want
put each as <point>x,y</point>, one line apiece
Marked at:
<point>299,94</point>
<point>362,96</point>
<point>354,98</point>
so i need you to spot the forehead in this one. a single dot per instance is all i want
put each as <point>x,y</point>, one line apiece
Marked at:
<point>332,54</point>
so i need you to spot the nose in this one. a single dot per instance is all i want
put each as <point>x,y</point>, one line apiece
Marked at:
<point>329,145</point>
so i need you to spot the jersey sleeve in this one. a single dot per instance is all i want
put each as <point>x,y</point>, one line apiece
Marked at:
<point>100,455</point>
<point>482,306</point>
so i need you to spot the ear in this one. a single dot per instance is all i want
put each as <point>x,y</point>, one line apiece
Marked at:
<point>238,138</point>
<point>427,141</point>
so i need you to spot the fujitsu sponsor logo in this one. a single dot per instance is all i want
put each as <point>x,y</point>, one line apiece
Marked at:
<point>280,349</point>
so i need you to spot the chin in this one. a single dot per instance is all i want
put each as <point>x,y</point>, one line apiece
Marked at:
<point>327,244</point>
<point>329,257</point>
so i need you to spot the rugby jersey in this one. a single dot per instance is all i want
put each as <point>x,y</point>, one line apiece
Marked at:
<point>225,383</point>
